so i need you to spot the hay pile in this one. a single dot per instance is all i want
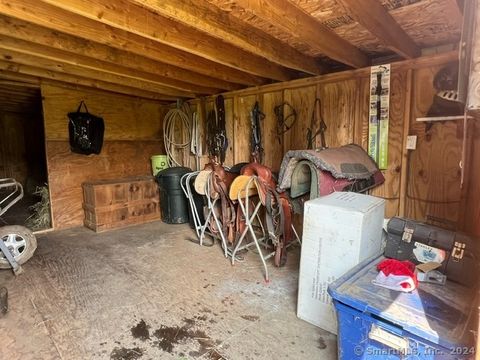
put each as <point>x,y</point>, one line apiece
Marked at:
<point>40,218</point>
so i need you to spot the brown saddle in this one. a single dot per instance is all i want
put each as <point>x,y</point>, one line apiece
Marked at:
<point>278,210</point>
<point>221,180</point>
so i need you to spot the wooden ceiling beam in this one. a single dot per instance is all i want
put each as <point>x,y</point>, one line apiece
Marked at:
<point>64,67</point>
<point>41,35</point>
<point>378,21</point>
<point>29,48</point>
<point>10,70</point>
<point>221,25</point>
<point>7,93</point>
<point>135,19</point>
<point>455,11</point>
<point>18,84</point>
<point>57,19</point>
<point>20,78</point>
<point>285,15</point>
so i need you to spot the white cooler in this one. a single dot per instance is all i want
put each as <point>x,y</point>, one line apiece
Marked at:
<point>340,230</point>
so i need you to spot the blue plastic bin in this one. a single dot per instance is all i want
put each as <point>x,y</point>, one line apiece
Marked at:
<point>432,322</point>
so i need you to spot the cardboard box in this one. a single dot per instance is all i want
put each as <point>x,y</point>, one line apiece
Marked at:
<point>340,230</point>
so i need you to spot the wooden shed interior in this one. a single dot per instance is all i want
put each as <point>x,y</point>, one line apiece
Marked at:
<point>131,61</point>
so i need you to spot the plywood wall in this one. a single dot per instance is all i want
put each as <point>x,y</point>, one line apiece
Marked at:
<point>13,156</point>
<point>423,184</point>
<point>132,136</point>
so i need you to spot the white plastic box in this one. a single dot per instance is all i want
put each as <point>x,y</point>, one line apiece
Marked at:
<point>340,230</point>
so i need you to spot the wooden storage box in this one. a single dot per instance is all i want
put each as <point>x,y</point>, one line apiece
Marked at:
<point>111,204</point>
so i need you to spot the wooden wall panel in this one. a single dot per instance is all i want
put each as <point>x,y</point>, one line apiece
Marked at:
<point>132,135</point>
<point>230,127</point>
<point>126,118</point>
<point>67,171</point>
<point>13,157</point>
<point>302,100</point>
<point>433,192</point>
<point>432,178</point>
<point>390,191</point>
<point>242,131</point>
<point>470,222</point>
<point>339,101</point>
<point>272,144</point>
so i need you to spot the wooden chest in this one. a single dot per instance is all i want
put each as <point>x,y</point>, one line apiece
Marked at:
<point>111,204</point>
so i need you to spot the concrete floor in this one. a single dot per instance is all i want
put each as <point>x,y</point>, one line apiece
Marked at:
<point>145,292</point>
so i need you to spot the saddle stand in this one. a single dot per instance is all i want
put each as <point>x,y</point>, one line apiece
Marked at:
<point>244,197</point>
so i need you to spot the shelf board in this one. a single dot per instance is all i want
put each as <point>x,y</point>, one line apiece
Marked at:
<point>442,118</point>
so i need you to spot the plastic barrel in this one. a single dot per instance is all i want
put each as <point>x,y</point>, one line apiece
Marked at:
<point>173,203</point>
<point>159,163</point>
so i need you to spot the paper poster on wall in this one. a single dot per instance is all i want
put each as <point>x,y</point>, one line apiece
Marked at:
<point>379,114</point>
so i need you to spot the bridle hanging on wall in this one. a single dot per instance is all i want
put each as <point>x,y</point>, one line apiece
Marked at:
<point>216,132</point>
<point>256,116</point>
<point>316,117</point>
<point>285,121</point>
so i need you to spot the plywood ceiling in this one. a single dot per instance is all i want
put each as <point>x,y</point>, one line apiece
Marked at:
<point>166,49</point>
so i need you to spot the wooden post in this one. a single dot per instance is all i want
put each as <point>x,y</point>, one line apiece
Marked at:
<point>406,130</point>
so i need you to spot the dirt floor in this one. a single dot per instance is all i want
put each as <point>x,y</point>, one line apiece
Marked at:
<point>145,292</point>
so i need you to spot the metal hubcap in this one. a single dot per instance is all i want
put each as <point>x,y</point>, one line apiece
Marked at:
<point>15,243</point>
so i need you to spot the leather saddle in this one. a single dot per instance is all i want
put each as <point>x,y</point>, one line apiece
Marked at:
<point>278,214</point>
<point>220,180</point>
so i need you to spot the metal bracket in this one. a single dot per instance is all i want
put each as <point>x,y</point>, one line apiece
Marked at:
<point>17,269</point>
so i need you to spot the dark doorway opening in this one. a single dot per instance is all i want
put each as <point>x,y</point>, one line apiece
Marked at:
<point>23,156</point>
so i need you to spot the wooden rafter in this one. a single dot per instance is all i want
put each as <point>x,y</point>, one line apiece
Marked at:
<point>30,48</point>
<point>53,39</point>
<point>60,20</point>
<point>377,20</point>
<point>12,71</point>
<point>455,11</point>
<point>67,68</point>
<point>135,19</point>
<point>220,24</point>
<point>288,17</point>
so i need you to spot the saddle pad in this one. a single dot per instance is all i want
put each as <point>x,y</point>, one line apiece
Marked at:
<point>240,186</point>
<point>201,181</point>
<point>346,162</point>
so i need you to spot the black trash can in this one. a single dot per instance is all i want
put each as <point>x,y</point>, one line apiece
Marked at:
<point>173,203</point>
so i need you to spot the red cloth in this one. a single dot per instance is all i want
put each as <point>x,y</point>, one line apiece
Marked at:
<point>398,268</point>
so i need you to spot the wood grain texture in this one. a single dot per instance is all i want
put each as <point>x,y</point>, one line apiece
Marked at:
<point>54,40</point>
<point>390,190</point>
<point>302,100</point>
<point>13,157</point>
<point>116,203</point>
<point>272,144</point>
<point>135,19</point>
<point>470,222</point>
<point>433,192</point>
<point>221,25</point>
<point>473,102</point>
<point>132,136</point>
<point>10,70</point>
<point>378,21</point>
<point>242,129</point>
<point>126,118</point>
<point>284,14</point>
<point>81,67</point>
<point>57,19</point>
<point>67,171</point>
<point>338,111</point>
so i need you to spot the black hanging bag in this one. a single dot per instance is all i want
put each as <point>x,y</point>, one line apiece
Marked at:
<point>85,131</point>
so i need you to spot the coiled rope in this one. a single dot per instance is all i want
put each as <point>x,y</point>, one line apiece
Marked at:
<point>177,123</point>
